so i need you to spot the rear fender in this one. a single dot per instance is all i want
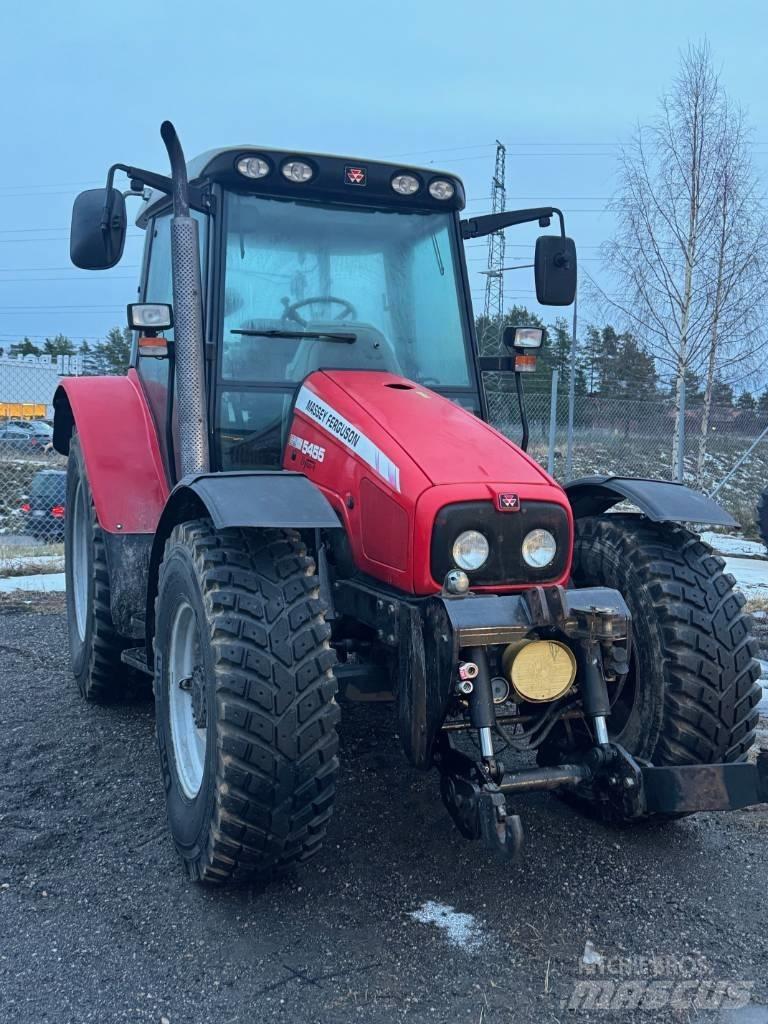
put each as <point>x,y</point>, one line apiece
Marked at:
<point>660,500</point>
<point>120,449</point>
<point>252,499</point>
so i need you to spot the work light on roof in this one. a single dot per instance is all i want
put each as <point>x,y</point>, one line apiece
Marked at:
<point>296,170</point>
<point>405,184</point>
<point>253,167</point>
<point>441,189</point>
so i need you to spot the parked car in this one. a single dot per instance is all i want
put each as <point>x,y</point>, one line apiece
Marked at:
<point>30,438</point>
<point>43,510</point>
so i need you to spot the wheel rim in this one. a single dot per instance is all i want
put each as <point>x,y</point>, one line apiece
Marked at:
<point>186,700</point>
<point>79,558</point>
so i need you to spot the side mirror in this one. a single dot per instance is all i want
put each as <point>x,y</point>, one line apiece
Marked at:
<point>99,225</point>
<point>523,337</point>
<point>554,267</point>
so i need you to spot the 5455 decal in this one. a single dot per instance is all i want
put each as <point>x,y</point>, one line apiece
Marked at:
<point>308,448</point>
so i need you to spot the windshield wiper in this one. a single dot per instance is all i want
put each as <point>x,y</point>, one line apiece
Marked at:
<point>340,336</point>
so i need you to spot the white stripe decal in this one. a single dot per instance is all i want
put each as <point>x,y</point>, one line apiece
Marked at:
<point>351,436</point>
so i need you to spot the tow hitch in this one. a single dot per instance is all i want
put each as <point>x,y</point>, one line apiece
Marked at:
<point>616,786</point>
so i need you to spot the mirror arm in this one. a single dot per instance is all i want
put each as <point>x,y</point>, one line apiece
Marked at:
<point>476,227</point>
<point>140,179</point>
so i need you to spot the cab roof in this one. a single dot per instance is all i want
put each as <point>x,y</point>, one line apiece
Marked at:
<point>349,180</point>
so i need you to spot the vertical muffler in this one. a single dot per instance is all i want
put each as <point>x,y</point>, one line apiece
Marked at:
<point>188,317</point>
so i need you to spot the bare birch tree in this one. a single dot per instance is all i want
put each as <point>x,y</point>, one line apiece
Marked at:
<point>685,187</point>
<point>737,270</point>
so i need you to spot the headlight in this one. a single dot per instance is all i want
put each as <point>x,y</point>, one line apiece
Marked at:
<point>253,167</point>
<point>440,189</point>
<point>470,550</point>
<point>405,184</point>
<point>539,549</point>
<point>296,170</point>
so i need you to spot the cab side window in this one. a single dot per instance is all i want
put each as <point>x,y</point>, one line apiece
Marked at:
<point>159,284</point>
<point>158,287</point>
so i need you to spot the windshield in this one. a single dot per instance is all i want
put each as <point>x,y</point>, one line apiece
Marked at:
<point>378,289</point>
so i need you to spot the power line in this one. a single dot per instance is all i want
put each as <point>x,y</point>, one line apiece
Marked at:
<point>77,280</point>
<point>16,270</point>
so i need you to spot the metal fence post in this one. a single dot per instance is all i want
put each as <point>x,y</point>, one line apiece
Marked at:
<point>552,425</point>
<point>681,438</point>
<point>571,400</point>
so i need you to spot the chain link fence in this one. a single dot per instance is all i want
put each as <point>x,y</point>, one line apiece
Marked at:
<point>32,474</point>
<point>632,437</point>
<point>636,437</point>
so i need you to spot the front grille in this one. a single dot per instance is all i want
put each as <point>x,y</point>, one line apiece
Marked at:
<point>505,532</point>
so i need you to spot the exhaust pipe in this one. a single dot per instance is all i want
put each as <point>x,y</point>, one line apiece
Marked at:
<point>188,317</point>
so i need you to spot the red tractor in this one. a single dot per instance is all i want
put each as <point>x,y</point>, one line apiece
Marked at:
<point>295,491</point>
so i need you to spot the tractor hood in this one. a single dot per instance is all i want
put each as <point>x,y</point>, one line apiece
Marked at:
<point>448,444</point>
<point>404,467</point>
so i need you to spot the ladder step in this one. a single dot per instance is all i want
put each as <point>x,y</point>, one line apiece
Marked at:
<point>136,657</point>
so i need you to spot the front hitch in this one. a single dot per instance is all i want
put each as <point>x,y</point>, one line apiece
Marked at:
<point>615,785</point>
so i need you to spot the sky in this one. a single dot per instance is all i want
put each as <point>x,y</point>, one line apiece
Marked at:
<point>86,83</point>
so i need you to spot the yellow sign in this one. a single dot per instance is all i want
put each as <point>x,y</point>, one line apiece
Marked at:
<point>22,411</point>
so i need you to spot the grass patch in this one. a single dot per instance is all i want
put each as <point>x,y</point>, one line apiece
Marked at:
<point>757,604</point>
<point>28,567</point>
<point>14,552</point>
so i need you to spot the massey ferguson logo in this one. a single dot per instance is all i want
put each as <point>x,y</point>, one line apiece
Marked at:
<point>509,503</point>
<point>355,176</point>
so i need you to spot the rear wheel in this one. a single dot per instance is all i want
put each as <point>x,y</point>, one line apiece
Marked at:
<point>244,689</point>
<point>691,693</point>
<point>94,643</point>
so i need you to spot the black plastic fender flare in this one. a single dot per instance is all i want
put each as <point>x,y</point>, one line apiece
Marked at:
<point>276,499</point>
<point>662,501</point>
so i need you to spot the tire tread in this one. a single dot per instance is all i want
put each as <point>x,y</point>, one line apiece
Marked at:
<point>275,768</point>
<point>711,675</point>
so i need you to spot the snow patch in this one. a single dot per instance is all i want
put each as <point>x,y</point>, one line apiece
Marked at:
<point>50,581</point>
<point>461,930</point>
<point>751,576</point>
<point>730,544</point>
<point>590,956</point>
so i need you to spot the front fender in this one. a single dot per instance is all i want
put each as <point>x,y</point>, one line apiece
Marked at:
<point>120,449</point>
<point>263,499</point>
<point>660,500</point>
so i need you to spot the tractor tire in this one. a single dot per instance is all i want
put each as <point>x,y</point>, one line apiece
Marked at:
<point>692,690</point>
<point>245,701</point>
<point>95,645</point>
<point>762,517</point>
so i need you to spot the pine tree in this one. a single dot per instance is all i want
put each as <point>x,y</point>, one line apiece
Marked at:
<point>116,351</point>
<point>25,347</point>
<point>60,345</point>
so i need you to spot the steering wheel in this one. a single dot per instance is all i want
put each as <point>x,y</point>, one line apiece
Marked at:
<point>290,311</point>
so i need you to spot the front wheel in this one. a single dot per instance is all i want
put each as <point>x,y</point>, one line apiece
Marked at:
<point>94,644</point>
<point>244,689</point>
<point>691,693</point>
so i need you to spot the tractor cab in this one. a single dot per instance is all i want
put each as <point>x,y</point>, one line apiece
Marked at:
<point>314,262</point>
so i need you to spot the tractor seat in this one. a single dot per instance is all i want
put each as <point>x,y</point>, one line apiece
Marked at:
<point>371,351</point>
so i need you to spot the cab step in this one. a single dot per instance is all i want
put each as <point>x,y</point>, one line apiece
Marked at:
<point>136,657</point>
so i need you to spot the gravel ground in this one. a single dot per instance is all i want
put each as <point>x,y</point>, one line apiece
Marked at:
<point>98,923</point>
